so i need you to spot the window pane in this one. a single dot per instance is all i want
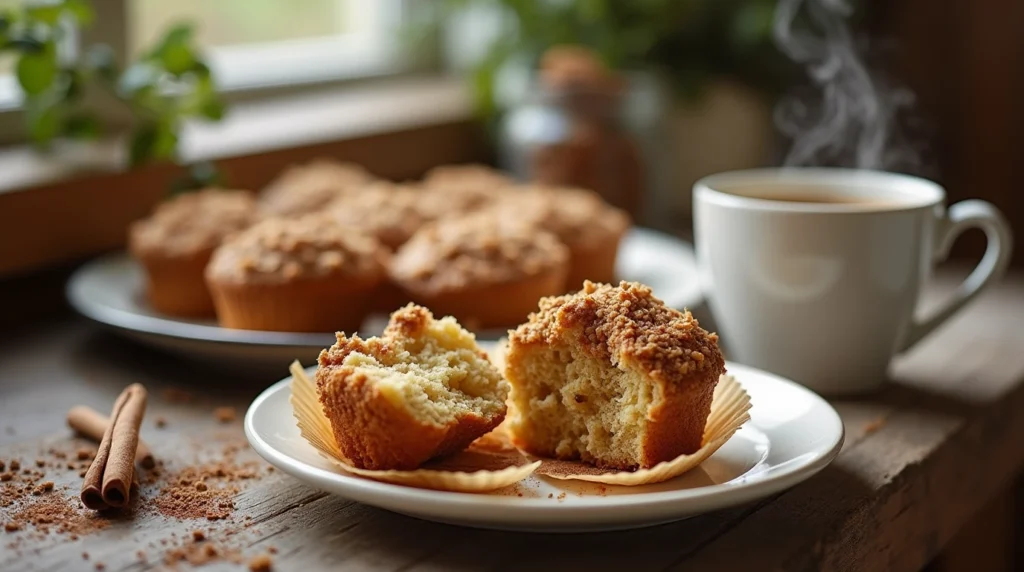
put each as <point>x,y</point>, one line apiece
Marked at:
<point>6,59</point>
<point>238,22</point>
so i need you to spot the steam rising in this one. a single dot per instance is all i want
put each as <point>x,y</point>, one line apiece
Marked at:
<point>853,123</point>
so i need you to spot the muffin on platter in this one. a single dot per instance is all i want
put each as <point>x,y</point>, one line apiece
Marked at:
<point>308,188</point>
<point>175,243</point>
<point>306,274</point>
<point>484,271</point>
<point>591,228</point>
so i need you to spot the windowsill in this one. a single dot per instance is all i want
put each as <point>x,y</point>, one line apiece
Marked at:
<point>262,126</point>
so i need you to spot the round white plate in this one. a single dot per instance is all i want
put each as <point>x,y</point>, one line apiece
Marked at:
<point>792,434</point>
<point>109,290</point>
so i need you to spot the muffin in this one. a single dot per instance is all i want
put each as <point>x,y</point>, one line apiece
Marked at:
<point>483,271</point>
<point>422,390</point>
<point>459,189</point>
<point>389,211</point>
<point>306,274</point>
<point>308,188</point>
<point>612,377</point>
<point>174,245</point>
<point>591,228</point>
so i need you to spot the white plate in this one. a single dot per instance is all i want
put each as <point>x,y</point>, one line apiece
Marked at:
<point>109,290</point>
<point>792,434</point>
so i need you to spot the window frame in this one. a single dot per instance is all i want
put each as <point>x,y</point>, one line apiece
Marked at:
<point>241,71</point>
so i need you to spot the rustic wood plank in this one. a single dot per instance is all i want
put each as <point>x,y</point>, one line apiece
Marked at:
<point>942,431</point>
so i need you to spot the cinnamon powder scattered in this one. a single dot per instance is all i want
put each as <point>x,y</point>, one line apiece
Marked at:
<point>204,491</point>
<point>224,414</point>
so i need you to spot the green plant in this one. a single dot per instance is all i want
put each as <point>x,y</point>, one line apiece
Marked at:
<point>687,41</point>
<point>166,86</point>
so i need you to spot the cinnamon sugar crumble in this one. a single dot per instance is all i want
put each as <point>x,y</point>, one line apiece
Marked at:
<point>261,563</point>
<point>626,323</point>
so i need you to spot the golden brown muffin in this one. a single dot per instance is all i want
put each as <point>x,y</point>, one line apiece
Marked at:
<point>308,188</point>
<point>306,274</point>
<point>453,190</point>
<point>174,245</point>
<point>388,211</point>
<point>591,228</point>
<point>422,390</point>
<point>484,272</point>
<point>611,376</point>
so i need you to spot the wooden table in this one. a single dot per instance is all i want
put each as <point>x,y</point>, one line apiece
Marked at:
<point>920,459</point>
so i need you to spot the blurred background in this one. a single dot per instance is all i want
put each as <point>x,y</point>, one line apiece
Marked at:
<point>693,87</point>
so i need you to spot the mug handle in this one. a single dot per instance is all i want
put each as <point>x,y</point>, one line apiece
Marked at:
<point>960,217</point>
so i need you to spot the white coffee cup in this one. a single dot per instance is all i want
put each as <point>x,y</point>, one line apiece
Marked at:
<point>825,292</point>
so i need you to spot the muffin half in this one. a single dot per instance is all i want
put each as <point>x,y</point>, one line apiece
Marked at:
<point>484,271</point>
<point>175,243</point>
<point>611,376</point>
<point>306,274</point>
<point>422,390</point>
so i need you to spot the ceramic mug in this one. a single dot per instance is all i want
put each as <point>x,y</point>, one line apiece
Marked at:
<point>815,273</point>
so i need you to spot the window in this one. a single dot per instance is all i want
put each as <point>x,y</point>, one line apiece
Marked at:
<point>256,43</point>
<point>251,45</point>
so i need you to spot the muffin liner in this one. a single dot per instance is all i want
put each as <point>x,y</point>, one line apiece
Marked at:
<point>477,469</point>
<point>730,408</point>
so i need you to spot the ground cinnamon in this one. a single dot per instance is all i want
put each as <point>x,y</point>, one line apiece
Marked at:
<point>109,479</point>
<point>92,424</point>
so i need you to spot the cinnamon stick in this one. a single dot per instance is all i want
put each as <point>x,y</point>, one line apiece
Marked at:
<point>92,424</point>
<point>108,480</point>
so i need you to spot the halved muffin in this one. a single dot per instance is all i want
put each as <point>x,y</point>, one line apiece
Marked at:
<point>422,390</point>
<point>611,376</point>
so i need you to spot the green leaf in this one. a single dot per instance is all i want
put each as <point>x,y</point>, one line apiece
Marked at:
<point>179,35</point>
<point>47,13</point>
<point>36,71</point>
<point>177,58</point>
<point>43,124</point>
<point>81,10</point>
<point>143,139</point>
<point>213,109</point>
<point>166,141</point>
<point>82,125</point>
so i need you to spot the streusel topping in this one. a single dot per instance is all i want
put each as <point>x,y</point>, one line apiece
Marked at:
<point>476,249</point>
<point>626,324</point>
<point>279,250</point>
<point>389,211</point>
<point>458,189</point>
<point>193,222</point>
<point>576,216</point>
<point>303,189</point>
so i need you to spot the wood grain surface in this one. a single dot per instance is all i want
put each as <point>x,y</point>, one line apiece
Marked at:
<point>920,459</point>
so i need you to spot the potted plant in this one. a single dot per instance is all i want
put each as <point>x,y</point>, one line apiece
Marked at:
<point>166,86</point>
<point>715,59</point>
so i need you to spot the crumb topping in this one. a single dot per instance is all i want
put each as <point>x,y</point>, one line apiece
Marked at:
<point>278,250</point>
<point>575,216</point>
<point>477,249</point>
<point>194,221</point>
<point>389,211</point>
<point>455,189</point>
<point>626,324</point>
<point>303,189</point>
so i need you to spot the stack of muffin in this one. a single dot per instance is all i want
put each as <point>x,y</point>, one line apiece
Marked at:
<point>327,243</point>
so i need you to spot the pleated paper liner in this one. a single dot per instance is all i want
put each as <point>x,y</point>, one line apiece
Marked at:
<point>730,408</point>
<point>477,469</point>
